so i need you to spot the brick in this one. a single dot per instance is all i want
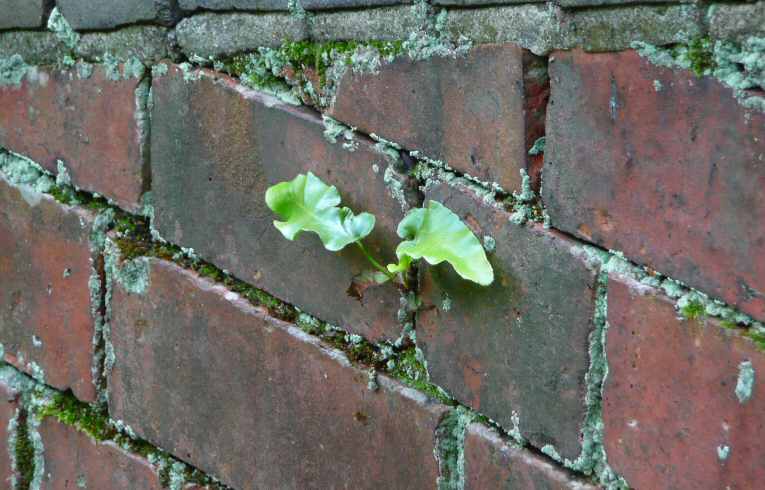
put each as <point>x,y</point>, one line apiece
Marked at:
<point>45,265</point>
<point>58,115</point>
<point>74,460</point>
<point>480,2</point>
<point>217,35</point>
<point>669,400</point>
<point>451,111</point>
<point>26,13</point>
<point>594,3</point>
<point>234,4</point>
<point>280,4</point>
<point>493,462</point>
<point>107,14</point>
<point>736,21</point>
<point>304,416</point>
<point>9,405</point>
<point>217,146</point>
<point>520,344</point>
<point>659,164</point>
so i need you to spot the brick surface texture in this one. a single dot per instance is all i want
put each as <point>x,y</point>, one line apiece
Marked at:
<point>46,324</point>
<point>157,330</point>
<point>90,124</point>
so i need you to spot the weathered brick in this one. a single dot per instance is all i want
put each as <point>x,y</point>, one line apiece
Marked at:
<point>45,265</point>
<point>493,462</point>
<point>303,416</point>
<point>670,400</point>
<point>217,146</point>
<point>9,404</point>
<point>662,165</point>
<point>736,21</point>
<point>93,124</point>
<point>593,3</point>
<point>25,13</point>
<point>106,14</point>
<point>73,459</point>
<point>280,4</point>
<point>450,110</point>
<point>521,344</point>
<point>221,34</point>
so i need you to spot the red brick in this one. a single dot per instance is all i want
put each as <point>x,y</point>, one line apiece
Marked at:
<point>669,398</point>
<point>480,113</point>
<point>217,146</point>
<point>520,344</point>
<point>9,404</point>
<point>662,165</point>
<point>39,300</point>
<point>91,124</point>
<point>72,458</point>
<point>254,401</point>
<point>492,462</point>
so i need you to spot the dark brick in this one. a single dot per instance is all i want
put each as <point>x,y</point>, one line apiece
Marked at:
<point>45,265</point>
<point>25,13</point>
<point>595,3</point>
<point>234,4</point>
<point>74,460</point>
<point>449,108</point>
<point>106,14</point>
<point>493,462</point>
<point>662,165</point>
<point>217,146</point>
<point>255,401</point>
<point>91,124</point>
<point>520,344</point>
<point>482,2</point>
<point>669,399</point>
<point>9,404</point>
<point>281,4</point>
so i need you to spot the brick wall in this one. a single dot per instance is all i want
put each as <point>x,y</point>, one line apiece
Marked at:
<point>156,331</point>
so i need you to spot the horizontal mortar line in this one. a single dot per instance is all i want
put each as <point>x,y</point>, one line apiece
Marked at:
<point>36,384</point>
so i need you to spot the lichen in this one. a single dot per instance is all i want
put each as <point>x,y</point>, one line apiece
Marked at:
<point>450,448</point>
<point>740,66</point>
<point>723,452</point>
<point>372,380</point>
<point>550,451</point>
<point>538,147</point>
<point>489,243</point>
<point>745,381</point>
<point>13,70</point>
<point>133,275</point>
<point>84,70</point>
<point>24,173</point>
<point>334,129</point>
<point>432,38</point>
<point>159,70</point>
<point>61,28</point>
<point>593,459</point>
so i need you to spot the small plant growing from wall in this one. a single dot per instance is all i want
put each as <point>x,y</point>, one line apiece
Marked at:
<point>433,233</point>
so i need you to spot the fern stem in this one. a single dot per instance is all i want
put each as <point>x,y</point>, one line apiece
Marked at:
<point>375,263</point>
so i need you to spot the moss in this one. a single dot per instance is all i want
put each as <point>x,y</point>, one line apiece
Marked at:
<point>86,418</point>
<point>23,452</point>
<point>700,55</point>
<point>692,310</point>
<point>408,366</point>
